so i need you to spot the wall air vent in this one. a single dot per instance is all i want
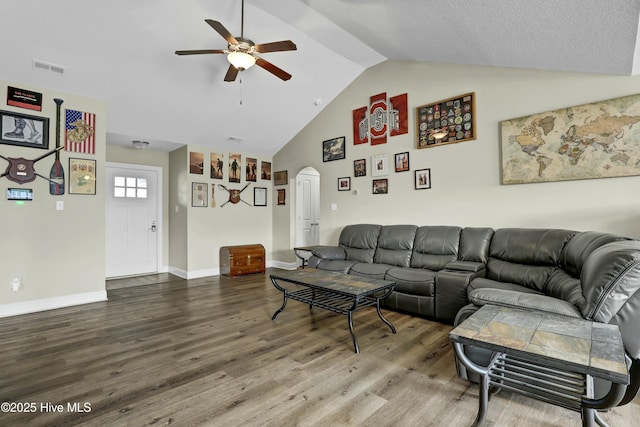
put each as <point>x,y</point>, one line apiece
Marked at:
<point>47,66</point>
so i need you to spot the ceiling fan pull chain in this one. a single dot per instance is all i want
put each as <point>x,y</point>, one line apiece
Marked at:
<point>240,80</point>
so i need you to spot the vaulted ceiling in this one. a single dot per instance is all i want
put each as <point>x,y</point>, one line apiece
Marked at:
<point>122,52</point>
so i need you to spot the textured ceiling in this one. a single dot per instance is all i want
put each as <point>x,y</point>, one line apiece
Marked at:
<point>122,52</point>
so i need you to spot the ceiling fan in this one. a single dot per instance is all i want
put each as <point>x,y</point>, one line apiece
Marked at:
<point>243,53</point>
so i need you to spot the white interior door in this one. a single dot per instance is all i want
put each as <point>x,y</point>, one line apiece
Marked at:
<point>308,207</point>
<point>132,220</point>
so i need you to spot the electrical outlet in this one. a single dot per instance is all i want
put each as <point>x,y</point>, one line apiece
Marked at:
<point>16,284</point>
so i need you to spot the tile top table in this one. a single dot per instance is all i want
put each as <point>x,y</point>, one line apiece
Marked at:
<point>551,343</point>
<point>337,292</point>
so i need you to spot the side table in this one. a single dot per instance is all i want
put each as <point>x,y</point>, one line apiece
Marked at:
<point>545,356</point>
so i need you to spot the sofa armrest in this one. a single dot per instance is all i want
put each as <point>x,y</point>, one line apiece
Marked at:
<point>328,252</point>
<point>451,291</point>
<point>468,266</point>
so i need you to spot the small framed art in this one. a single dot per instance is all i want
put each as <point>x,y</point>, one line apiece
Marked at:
<point>82,176</point>
<point>199,194</point>
<point>380,186</point>
<point>196,163</point>
<point>280,177</point>
<point>423,179</point>
<point>333,149</point>
<point>282,195</point>
<point>344,183</point>
<point>360,167</point>
<point>259,196</point>
<point>380,165</point>
<point>24,130</point>
<point>402,162</point>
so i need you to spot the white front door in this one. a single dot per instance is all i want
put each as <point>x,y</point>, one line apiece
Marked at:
<point>308,207</point>
<point>132,220</point>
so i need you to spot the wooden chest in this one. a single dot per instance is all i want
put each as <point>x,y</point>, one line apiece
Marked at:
<point>241,260</point>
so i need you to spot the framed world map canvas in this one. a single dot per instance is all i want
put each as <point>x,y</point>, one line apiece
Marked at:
<point>598,140</point>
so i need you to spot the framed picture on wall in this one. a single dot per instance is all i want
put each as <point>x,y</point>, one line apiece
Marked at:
<point>360,167</point>
<point>333,149</point>
<point>402,162</point>
<point>380,165</point>
<point>423,179</point>
<point>344,183</point>
<point>82,176</point>
<point>282,195</point>
<point>199,194</point>
<point>281,178</point>
<point>259,196</point>
<point>447,121</point>
<point>380,186</point>
<point>24,130</point>
<point>196,163</point>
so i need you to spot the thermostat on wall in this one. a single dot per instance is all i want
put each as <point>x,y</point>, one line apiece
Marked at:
<point>19,194</point>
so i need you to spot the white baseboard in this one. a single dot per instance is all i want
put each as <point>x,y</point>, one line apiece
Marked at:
<point>197,274</point>
<point>178,272</point>
<point>15,309</point>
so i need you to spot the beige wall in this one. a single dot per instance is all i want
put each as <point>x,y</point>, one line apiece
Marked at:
<point>58,254</point>
<point>195,252</point>
<point>466,187</point>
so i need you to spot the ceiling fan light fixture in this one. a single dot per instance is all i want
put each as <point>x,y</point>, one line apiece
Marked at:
<point>241,60</point>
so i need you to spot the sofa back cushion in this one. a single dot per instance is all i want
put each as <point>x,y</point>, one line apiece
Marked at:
<point>564,282</point>
<point>359,241</point>
<point>578,249</point>
<point>526,256</point>
<point>435,246</point>
<point>395,245</point>
<point>474,244</point>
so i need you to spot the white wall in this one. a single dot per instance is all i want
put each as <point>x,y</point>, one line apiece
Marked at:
<point>466,187</point>
<point>58,254</point>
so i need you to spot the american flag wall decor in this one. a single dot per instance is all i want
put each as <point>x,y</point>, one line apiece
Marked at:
<point>80,132</point>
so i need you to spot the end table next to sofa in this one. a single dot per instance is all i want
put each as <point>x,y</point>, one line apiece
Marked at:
<point>549,357</point>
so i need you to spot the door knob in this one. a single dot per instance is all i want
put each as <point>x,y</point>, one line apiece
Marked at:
<point>153,226</point>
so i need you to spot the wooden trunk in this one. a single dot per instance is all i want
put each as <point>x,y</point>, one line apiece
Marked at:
<point>241,260</point>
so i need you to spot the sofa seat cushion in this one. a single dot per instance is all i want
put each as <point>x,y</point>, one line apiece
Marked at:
<point>341,266</point>
<point>413,281</point>
<point>482,283</point>
<point>372,271</point>
<point>523,300</point>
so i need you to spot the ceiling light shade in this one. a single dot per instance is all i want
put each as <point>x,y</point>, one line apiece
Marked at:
<point>241,60</point>
<point>140,144</point>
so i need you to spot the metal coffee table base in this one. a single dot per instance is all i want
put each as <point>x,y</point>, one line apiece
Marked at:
<point>336,302</point>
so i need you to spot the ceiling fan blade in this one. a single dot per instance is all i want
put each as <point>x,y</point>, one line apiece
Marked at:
<point>232,73</point>
<point>199,52</point>
<point>276,46</point>
<point>278,72</point>
<point>222,31</point>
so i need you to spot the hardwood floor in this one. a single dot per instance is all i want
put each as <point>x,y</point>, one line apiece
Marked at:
<point>205,352</point>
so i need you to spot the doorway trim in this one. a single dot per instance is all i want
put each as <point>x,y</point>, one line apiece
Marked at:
<point>308,170</point>
<point>159,204</point>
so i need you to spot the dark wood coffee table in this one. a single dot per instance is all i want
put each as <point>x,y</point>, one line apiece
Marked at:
<point>549,357</point>
<point>337,292</point>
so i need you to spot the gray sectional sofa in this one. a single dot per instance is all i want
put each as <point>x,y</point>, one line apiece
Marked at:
<point>448,272</point>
